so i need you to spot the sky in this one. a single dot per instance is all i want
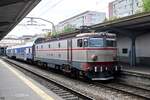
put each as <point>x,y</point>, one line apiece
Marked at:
<point>56,11</point>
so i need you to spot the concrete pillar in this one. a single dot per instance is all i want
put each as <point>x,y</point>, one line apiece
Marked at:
<point>133,51</point>
<point>132,36</point>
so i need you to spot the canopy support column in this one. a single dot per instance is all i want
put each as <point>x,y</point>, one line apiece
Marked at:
<point>133,51</point>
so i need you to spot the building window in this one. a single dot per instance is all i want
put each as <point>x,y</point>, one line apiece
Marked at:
<point>124,50</point>
<point>125,6</point>
<point>29,50</point>
<point>137,4</point>
<point>79,43</point>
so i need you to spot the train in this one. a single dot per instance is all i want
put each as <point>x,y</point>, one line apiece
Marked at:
<point>88,55</point>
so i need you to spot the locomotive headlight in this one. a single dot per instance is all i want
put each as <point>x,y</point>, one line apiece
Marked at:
<point>95,68</point>
<point>94,57</point>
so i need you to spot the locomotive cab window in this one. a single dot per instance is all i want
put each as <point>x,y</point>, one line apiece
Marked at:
<point>85,42</point>
<point>79,43</point>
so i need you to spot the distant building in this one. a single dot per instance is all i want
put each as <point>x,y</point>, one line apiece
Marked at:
<point>121,8</point>
<point>10,41</point>
<point>26,37</point>
<point>84,19</point>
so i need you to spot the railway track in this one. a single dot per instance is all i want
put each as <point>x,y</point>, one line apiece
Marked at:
<point>122,90</point>
<point>127,89</point>
<point>135,78</point>
<point>61,90</point>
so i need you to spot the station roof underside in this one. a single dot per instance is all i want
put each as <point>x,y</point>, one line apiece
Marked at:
<point>12,12</point>
<point>132,25</point>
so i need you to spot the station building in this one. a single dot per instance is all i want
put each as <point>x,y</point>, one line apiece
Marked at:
<point>121,8</point>
<point>86,18</point>
<point>142,49</point>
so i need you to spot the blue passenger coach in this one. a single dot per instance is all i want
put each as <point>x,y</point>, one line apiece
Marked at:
<point>22,52</point>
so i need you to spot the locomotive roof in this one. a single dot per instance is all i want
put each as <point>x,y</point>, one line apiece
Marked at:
<point>100,34</point>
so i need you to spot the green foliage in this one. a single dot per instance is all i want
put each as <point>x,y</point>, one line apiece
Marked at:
<point>68,28</point>
<point>138,11</point>
<point>105,20</point>
<point>49,34</point>
<point>113,18</point>
<point>146,5</point>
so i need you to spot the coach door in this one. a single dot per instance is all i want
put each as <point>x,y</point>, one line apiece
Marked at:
<point>69,50</point>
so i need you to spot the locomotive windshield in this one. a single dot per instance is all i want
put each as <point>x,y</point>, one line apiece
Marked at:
<point>100,42</point>
<point>96,42</point>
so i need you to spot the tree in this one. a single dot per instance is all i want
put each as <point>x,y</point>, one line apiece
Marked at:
<point>113,18</point>
<point>68,28</point>
<point>146,5</point>
<point>49,34</point>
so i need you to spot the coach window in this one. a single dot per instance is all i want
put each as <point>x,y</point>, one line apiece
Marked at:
<point>29,50</point>
<point>59,45</point>
<point>36,47</point>
<point>85,41</point>
<point>79,43</point>
<point>49,46</point>
<point>15,51</point>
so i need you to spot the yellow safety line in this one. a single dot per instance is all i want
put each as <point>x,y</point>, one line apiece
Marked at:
<point>36,89</point>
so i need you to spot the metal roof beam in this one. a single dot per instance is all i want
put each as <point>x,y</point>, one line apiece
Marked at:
<point>9,2</point>
<point>1,32</point>
<point>4,23</point>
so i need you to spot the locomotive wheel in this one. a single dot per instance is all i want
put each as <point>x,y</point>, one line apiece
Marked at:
<point>74,73</point>
<point>44,65</point>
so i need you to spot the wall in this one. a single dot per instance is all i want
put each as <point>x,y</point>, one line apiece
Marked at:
<point>142,49</point>
<point>123,43</point>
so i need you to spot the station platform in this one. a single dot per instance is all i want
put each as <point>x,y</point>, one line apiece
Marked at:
<point>14,85</point>
<point>142,69</point>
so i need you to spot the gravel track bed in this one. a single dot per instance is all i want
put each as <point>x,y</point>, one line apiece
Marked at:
<point>135,79</point>
<point>96,92</point>
<point>145,93</point>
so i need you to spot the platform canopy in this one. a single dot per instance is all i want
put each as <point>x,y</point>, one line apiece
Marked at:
<point>137,24</point>
<point>12,12</point>
<point>130,26</point>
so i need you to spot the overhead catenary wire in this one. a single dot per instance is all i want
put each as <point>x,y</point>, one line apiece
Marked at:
<point>51,7</point>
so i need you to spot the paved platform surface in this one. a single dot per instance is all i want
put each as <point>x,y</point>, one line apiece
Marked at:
<point>14,85</point>
<point>138,69</point>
